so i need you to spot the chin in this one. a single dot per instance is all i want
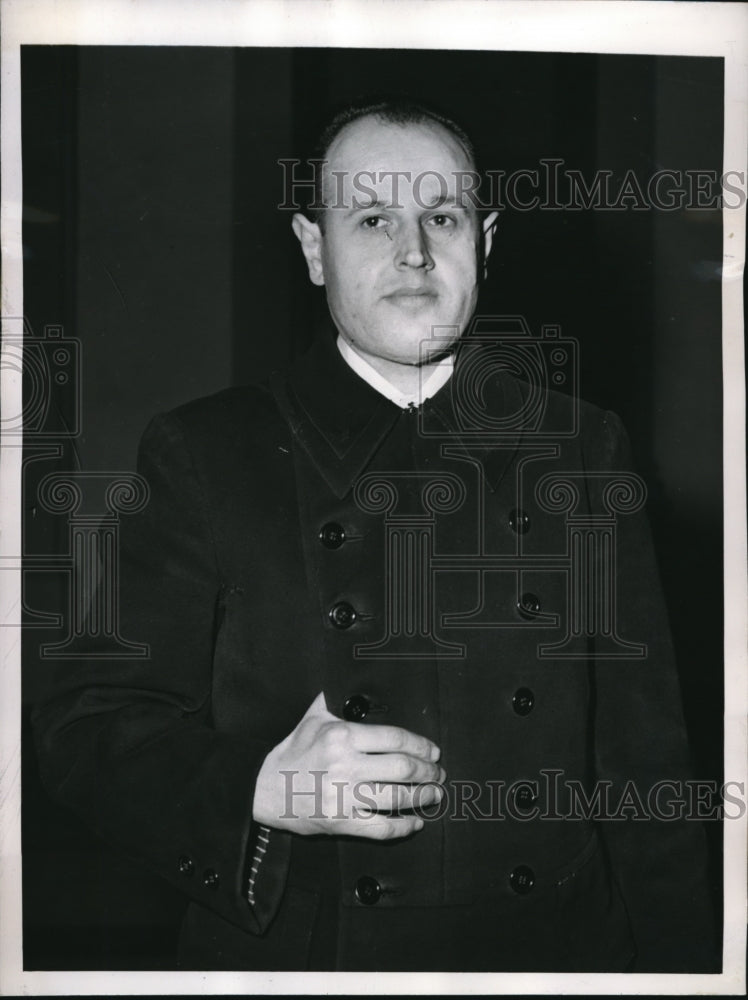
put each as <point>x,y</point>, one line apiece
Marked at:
<point>421,346</point>
<point>440,346</point>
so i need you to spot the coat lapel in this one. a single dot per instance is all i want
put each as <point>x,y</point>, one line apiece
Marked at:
<point>339,421</point>
<point>335,416</point>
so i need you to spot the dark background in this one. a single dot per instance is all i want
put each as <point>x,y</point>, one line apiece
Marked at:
<point>152,235</point>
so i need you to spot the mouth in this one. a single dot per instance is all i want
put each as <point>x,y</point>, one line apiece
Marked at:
<point>412,298</point>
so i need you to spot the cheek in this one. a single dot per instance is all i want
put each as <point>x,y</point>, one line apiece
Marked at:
<point>356,267</point>
<point>463,275</point>
<point>365,280</point>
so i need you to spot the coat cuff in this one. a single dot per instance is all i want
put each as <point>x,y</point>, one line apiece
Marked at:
<point>267,870</point>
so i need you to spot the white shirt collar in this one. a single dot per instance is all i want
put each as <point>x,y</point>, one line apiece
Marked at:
<point>432,379</point>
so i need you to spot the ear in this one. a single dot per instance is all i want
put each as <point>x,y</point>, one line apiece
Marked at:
<point>309,236</point>
<point>489,228</point>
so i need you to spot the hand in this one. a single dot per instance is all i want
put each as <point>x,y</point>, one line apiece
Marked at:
<point>335,777</point>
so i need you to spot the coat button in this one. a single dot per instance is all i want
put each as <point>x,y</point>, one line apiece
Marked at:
<point>356,708</point>
<point>342,614</point>
<point>523,701</point>
<point>368,890</point>
<point>186,865</point>
<point>528,605</point>
<point>332,535</point>
<point>525,797</point>
<point>519,521</point>
<point>522,880</point>
<point>210,879</point>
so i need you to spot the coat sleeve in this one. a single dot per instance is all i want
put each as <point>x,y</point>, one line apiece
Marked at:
<point>129,744</point>
<point>659,862</point>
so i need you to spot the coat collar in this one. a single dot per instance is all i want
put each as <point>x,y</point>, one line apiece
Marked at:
<point>335,416</point>
<point>340,421</point>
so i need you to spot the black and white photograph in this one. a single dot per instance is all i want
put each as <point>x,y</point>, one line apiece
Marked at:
<point>373,550</point>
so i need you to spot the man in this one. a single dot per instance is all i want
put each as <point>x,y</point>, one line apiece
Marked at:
<point>369,702</point>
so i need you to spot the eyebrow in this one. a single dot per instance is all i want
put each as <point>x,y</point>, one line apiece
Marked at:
<point>448,202</point>
<point>359,205</point>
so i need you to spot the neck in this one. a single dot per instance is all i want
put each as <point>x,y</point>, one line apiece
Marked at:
<point>406,378</point>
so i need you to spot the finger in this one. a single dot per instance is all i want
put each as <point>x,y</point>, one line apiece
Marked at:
<point>381,797</point>
<point>389,739</point>
<point>379,826</point>
<point>397,767</point>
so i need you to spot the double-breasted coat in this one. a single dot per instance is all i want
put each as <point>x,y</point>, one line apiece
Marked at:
<point>451,569</point>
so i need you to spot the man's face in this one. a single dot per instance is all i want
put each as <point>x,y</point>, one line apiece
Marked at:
<point>399,251</point>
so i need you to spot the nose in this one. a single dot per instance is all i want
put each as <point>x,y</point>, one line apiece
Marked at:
<point>413,250</point>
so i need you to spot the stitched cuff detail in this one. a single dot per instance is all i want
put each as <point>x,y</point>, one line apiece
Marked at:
<point>261,846</point>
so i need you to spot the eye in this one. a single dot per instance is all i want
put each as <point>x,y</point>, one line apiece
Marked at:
<point>441,221</point>
<point>373,222</point>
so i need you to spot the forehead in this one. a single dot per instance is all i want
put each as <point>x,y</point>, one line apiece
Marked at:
<point>370,143</point>
<point>371,146</point>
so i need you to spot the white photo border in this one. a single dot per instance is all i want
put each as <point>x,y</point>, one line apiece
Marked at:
<point>597,26</point>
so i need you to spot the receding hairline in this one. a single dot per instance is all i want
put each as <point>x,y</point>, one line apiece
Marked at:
<point>326,164</point>
<point>425,124</point>
<point>387,110</point>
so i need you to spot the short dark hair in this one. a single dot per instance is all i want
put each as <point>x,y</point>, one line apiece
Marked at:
<point>387,109</point>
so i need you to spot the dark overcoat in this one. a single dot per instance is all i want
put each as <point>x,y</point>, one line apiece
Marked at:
<point>478,570</point>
